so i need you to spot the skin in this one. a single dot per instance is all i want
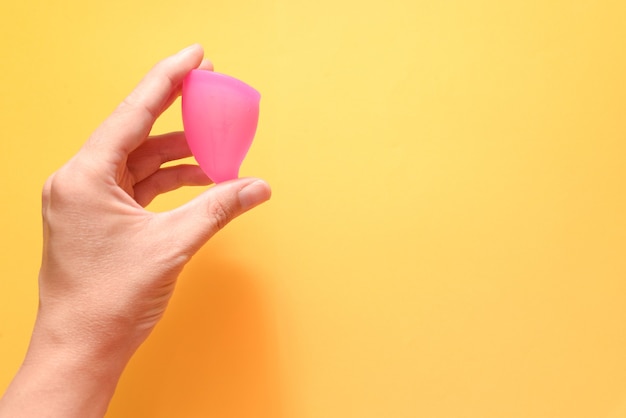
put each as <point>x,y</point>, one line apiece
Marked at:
<point>109,266</point>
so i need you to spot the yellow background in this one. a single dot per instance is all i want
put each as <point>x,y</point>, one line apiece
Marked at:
<point>447,234</point>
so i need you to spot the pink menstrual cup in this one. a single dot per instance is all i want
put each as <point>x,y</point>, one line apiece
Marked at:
<point>220,116</point>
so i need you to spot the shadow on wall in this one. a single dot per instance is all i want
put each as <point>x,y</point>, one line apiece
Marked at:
<point>214,352</point>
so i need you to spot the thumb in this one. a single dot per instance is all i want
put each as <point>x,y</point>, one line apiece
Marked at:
<point>201,218</point>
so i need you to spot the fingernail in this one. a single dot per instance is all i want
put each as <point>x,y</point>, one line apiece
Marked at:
<point>186,50</point>
<point>253,194</point>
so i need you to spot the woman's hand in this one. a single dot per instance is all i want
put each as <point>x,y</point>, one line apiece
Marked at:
<point>109,266</point>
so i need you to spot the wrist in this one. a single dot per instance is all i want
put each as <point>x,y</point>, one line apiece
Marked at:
<point>85,347</point>
<point>65,377</point>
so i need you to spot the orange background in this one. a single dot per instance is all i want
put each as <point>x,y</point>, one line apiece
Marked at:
<point>447,234</point>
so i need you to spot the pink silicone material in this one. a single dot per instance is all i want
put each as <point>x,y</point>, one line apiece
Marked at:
<point>220,116</point>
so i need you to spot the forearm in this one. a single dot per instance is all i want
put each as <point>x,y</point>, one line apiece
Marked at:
<point>61,380</point>
<point>54,390</point>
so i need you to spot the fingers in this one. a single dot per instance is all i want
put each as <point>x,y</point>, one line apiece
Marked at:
<point>168,179</point>
<point>200,219</point>
<point>150,155</point>
<point>204,65</point>
<point>131,122</point>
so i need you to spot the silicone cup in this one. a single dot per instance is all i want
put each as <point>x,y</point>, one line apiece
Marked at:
<point>220,117</point>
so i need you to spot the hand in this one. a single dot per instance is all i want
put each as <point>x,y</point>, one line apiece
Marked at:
<point>109,266</point>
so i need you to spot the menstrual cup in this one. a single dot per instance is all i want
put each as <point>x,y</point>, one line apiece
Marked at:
<point>220,116</point>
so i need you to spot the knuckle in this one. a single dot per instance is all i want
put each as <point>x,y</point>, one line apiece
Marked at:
<point>46,191</point>
<point>220,213</point>
<point>64,186</point>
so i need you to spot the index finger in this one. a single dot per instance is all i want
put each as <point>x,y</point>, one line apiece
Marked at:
<point>130,123</point>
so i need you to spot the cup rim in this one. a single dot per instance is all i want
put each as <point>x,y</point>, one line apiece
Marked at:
<point>230,80</point>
